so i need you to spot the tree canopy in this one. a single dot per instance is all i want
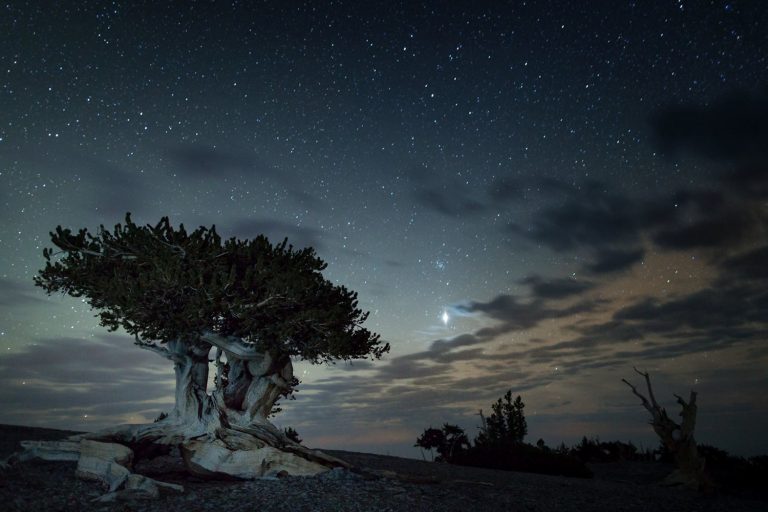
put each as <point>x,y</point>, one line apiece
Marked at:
<point>163,284</point>
<point>506,424</point>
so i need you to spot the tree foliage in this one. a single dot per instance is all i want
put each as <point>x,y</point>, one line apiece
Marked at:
<point>293,435</point>
<point>448,442</point>
<point>499,444</point>
<point>163,283</point>
<point>506,424</point>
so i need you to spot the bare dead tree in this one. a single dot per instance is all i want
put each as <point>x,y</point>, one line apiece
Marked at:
<point>677,437</point>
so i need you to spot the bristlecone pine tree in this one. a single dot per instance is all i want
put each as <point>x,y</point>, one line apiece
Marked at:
<point>676,437</point>
<point>250,304</point>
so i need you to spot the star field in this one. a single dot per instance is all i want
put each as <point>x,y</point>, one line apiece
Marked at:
<point>526,195</point>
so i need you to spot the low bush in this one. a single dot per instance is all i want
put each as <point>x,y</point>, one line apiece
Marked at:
<point>596,451</point>
<point>523,457</point>
<point>735,474</point>
<point>499,444</point>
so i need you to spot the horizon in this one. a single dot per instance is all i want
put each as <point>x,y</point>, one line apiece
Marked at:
<point>525,197</point>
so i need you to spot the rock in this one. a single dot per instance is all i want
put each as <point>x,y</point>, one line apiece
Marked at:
<point>46,450</point>
<point>149,486</point>
<point>50,450</point>
<point>107,463</point>
<point>213,458</point>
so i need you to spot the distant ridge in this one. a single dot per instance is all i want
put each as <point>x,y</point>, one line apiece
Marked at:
<point>10,435</point>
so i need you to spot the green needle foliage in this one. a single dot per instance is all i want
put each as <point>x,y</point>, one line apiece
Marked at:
<point>506,424</point>
<point>161,284</point>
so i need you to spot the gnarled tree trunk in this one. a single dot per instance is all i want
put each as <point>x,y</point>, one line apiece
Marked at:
<point>677,438</point>
<point>225,432</point>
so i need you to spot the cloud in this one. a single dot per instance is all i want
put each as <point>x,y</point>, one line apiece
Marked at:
<point>442,194</point>
<point>734,127</point>
<point>206,162</point>
<point>451,204</point>
<point>721,215</point>
<point>723,218</point>
<point>99,185</point>
<point>556,288</point>
<point>455,375</point>
<point>706,219</point>
<point>57,381</point>
<point>614,260</point>
<point>650,328</point>
<point>516,315</point>
<point>749,180</point>
<point>19,294</point>
<point>505,189</point>
<point>277,230</point>
<point>590,218</point>
<point>750,266</point>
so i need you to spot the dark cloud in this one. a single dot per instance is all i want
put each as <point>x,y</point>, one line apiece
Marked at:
<point>102,187</point>
<point>276,231</point>
<point>610,227</point>
<point>751,266</point>
<point>705,219</point>
<point>721,214</point>
<point>117,190</point>
<point>607,226</point>
<point>207,162</point>
<point>590,218</point>
<point>442,194</point>
<point>714,231</point>
<point>734,127</point>
<point>451,204</point>
<point>77,361</point>
<point>750,180</point>
<point>56,381</point>
<point>507,189</point>
<point>444,345</point>
<point>614,260</point>
<point>515,315</point>
<point>510,310</point>
<point>707,320</point>
<point>414,389</point>
<point>19,294</point>
<point>706,309</point>
<point>556,288</point>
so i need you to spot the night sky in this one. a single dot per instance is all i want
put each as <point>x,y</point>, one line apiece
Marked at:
<point>532,196</point>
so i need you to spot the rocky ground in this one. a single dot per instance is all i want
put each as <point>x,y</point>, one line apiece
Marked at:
<point>422,486</point>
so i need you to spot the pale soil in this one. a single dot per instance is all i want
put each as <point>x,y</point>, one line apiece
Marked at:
<point>51,486</point>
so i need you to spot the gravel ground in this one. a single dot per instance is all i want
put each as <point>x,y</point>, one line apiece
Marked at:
<point>51,486</point>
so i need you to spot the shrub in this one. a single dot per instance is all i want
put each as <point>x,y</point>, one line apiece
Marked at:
<point>506,424</point>
<point>448,442</point>
<point>524,457</point>
<point>499,444</point>
<point>594,450</point>
<point>735,474</point>
<point>291,434</point>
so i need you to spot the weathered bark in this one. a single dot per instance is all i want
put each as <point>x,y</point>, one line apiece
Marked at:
<point>222,433</point>
<point>109,464</point>
<point>193,406</point>
<point>677,438</point>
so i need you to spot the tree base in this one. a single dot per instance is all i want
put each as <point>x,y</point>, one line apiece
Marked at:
<point>245,453</point>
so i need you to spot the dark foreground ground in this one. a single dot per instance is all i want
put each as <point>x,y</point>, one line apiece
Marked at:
<point>42,486</point>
